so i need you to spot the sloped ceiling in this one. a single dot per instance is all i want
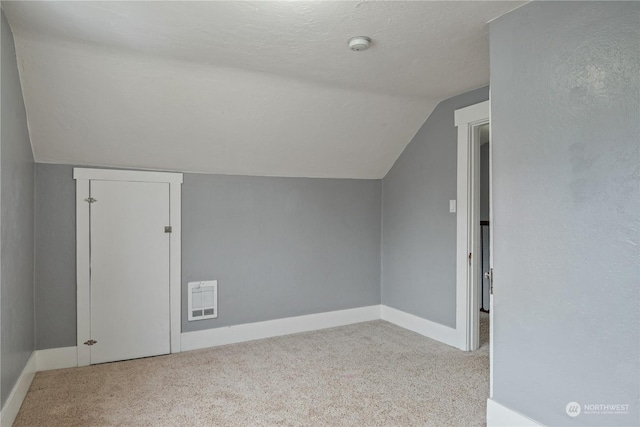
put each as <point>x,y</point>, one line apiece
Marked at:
<point>253,88</point>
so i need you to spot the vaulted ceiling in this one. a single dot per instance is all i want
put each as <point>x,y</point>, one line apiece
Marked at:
<point>253,88</point>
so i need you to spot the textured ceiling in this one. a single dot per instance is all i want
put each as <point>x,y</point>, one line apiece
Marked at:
<point>256,88</point>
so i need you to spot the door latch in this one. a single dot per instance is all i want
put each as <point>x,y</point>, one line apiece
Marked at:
<point>489,276</point>
<point>90,342</point>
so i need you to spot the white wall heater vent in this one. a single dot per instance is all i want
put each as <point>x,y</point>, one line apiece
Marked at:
<point>203,300</point>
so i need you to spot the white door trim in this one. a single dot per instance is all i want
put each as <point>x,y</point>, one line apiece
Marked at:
<point>467,120</point>
<point>82,177</point>
<point>501,416</point>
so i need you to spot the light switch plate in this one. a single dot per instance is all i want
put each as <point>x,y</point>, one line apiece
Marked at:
<point>452,206</point>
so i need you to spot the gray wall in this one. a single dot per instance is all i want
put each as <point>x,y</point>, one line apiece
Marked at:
<point>16,218</point>
<point>419,233</point>
<point>565,110</point>
<point>55,257</point>
<point>279,247</point>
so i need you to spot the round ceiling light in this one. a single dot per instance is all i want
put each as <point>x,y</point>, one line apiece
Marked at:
<point>359,43</point>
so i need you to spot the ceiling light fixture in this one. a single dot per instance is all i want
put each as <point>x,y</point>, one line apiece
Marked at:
<point>359,43</point>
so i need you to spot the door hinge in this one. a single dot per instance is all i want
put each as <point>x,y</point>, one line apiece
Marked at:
<point>469,258</point>
<point>168,229</point>
<point>90,200</point>
<point>90,342</point>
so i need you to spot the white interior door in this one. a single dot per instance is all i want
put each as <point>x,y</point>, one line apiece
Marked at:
<point>129,259</point>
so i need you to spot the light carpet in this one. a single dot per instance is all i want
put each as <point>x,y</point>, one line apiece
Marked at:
<point>367,374</point>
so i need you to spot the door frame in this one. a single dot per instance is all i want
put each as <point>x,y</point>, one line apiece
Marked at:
<point>83,301</point>
<point>468,120</point>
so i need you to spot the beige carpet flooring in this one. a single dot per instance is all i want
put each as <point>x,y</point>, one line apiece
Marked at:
<point>367,374</point>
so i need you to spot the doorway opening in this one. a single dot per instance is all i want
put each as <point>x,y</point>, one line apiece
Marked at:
<point>471,263</point>
<point>484,278</point>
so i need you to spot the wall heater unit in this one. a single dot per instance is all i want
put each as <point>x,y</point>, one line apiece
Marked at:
<point>203,300</point>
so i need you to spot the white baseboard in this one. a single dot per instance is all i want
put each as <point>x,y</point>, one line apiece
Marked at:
<point>56,358</point>
<point>500,416</point>
<point>17,395</point>
<point>40,360</point>
<point>433,330</point>
<point>312,322</point>
<point>273,328</point>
